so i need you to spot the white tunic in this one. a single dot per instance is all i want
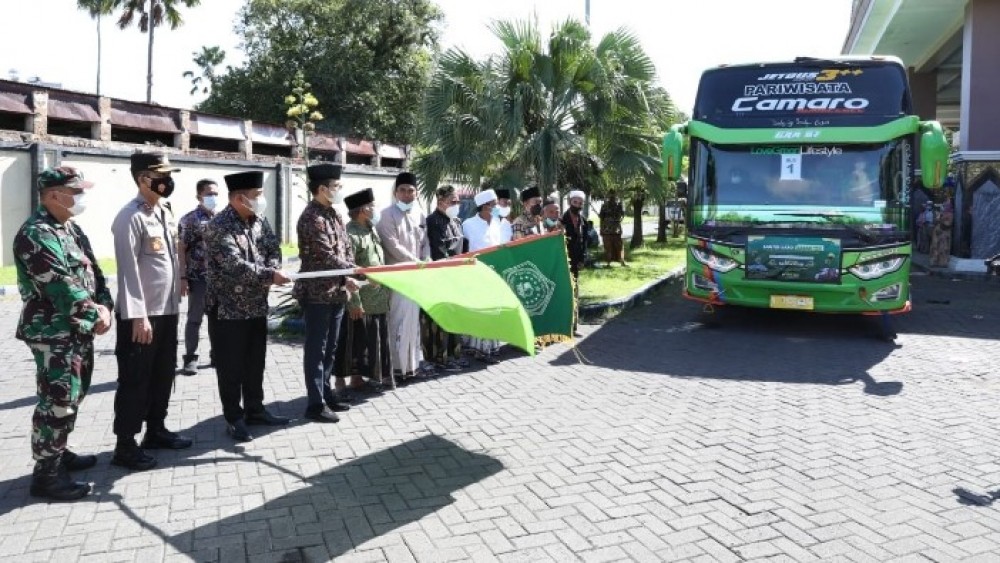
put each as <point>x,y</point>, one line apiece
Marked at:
<point>481,234</point>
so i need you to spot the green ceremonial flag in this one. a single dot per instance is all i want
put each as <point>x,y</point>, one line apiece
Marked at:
<point>537,270</point>
<point>464,297</point>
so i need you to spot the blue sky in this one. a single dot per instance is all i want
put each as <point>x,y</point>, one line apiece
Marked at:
<point>683,37</point>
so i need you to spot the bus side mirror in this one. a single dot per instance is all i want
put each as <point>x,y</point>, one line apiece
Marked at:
<point>934,152</point>
<point>673,152</point>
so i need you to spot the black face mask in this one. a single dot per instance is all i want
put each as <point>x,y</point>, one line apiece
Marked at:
<point>575,210</point>
<point>163,186</point>
<point>535,210</point>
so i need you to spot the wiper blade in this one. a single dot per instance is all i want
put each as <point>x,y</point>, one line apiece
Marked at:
<point>862,233</point>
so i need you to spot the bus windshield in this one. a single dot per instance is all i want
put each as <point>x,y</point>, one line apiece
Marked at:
<point>845,184</point>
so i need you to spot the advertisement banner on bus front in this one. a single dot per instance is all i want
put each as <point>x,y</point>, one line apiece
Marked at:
<point>800,259</point>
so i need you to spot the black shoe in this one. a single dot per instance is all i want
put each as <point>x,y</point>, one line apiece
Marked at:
<point>74,462</point>
<point>577,334</point>
<point>338,405</point>
<point>131,456</point>
<point>190,365</point>
<point>165,439</point>
<point>264,418</point>
<point>322,415</point>
<point>238,430</point>
<point>50,480</point>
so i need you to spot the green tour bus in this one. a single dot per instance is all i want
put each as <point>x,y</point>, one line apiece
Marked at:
<point>799,182</point>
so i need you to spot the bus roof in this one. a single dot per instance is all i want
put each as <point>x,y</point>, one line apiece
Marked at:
<point>890,59</point>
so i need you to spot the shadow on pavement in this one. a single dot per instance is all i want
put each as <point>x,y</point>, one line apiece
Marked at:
<point>343,507</point>
<point>670,336</point>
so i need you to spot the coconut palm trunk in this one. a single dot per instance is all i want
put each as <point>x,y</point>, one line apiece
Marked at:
<point>149,66</point>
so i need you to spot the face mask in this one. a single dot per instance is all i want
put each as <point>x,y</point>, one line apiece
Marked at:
<point>337,196</point>
<point>404,207</point>
<point>375,216</point>
<point>575,210</point>
<point>452,211</point>
<point>209,202</point>
<point>504,211</point>
<point>79,204</point>
<point>162,186</point>
<point>495,212</point>
<point>536,209</point>
<point>258,206</point>
<point>550,222</point>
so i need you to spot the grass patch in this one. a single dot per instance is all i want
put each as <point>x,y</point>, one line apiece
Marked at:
<point>646,264</point>
<point>8,274</point>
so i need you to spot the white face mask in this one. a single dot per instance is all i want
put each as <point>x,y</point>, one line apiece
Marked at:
<point>404,207</point>
<point>209,202</point>
<point>258,206</point>
<point>79,204</point>
<point>337,196</point>
<point>503,211</point>
<point>452,211</point>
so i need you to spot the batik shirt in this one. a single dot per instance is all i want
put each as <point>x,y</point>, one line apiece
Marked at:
<point>526,225</point>
<point>323,245</point>
<point>241,258</point>
<point>611,216</point>
<point>192,228</point>
<point>59,281</point>
<point>367,247</point>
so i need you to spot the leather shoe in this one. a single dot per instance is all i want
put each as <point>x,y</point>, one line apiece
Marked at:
<point>239,431</point>
<point>74,462</point>
<point>131,456</point>
<point>264,418</point>
<point>165,439</point>
<point>324,415</point>
<point>338,406</point>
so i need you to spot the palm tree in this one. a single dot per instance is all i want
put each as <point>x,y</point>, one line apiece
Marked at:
<point>96,9</point>
<point>562,112</point>
<point>152,14</point>
<point>207,59</point>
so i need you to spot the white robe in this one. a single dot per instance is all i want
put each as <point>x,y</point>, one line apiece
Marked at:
<point>480,235</point>
<point>404,239</point>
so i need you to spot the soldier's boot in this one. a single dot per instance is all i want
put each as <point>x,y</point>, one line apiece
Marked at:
<point>50,480</point>
<point>74,462</point>
<point>190,365</point>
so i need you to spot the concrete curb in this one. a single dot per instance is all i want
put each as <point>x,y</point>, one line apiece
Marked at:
<point>950,274</point>
<point>592,310</point>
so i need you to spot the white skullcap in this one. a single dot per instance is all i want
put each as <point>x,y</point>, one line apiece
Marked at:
<point>485,196</point>
<point>577,193</point>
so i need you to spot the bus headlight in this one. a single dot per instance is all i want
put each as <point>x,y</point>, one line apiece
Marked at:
<point>888,293</point>
<point>714,261</point>
<point>877,269</point>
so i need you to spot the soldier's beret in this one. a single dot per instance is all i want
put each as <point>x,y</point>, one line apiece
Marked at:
<point>245,181</point>
<point>356,200</point>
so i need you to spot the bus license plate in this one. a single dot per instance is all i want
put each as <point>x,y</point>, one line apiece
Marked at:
<point>792,302</point>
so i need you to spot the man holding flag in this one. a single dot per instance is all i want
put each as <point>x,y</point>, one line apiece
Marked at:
<point>403,230</point>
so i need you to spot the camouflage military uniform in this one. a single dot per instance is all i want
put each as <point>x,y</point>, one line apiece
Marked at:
<point>60,285</point>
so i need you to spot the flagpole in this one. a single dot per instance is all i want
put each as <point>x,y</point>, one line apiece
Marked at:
<point>448,263</point>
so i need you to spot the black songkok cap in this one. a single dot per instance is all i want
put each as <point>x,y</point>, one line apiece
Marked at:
<point>359,199</point>
<point>321,172</point>
<point>528,193</point>
<point>245,181</point>
<point>406,178</point>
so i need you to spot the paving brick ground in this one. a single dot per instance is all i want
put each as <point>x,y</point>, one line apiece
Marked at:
<point>774,436</point>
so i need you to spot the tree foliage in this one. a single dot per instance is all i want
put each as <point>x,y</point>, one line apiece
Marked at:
<point>149,15</point>
<point>368,61</point>
<point>206,60</point>
<point>563,112</point>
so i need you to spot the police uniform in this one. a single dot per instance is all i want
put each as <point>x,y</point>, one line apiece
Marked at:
<point>145,237</point>
<point>242,256</point>
<point>61,288</point>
